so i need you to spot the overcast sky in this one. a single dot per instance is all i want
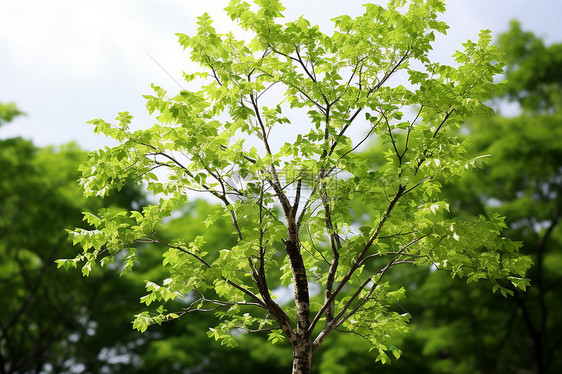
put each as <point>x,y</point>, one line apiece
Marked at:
<point>65,62</point>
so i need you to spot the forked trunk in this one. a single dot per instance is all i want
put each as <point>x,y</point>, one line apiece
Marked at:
<point>302,356</point>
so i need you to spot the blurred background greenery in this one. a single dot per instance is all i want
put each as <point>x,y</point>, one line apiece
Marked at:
<point>53,321</point>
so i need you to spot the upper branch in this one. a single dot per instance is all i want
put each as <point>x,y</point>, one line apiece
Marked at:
<point>447,115</point>
<point>275,182</point>
<point>383,80</point>
<point>359,259</point>
<point>398,155</point>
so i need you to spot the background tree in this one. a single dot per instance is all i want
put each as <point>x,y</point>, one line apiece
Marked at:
<point>53,322</point>
<point>522,183</point>
<point>534,77</point>
<point>48,318</point>
<point>291,214</point>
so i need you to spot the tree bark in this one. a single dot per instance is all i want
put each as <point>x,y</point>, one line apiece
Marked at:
<point>302,355</point>
<point>301,342</point>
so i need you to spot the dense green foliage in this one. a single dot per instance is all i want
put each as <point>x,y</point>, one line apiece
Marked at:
<point>48,318</point>
<point>533,71</point>
<point>292,215</point>
<point>523,181</point>
<point>468,330</point>
<point>60,322</point>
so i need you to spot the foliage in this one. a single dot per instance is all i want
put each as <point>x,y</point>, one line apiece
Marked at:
<point>287,190</point>
<point>183,344</point>
<point>8,112</point>
<point>533,69</point>
<point>60,322</point>
<point>48,318</point>
<point>523,183</point>
<point>469,330</point>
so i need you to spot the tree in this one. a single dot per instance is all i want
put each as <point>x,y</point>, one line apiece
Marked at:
<point>533,198</point>
<point>288,199</point>
<point>534,78</point>
<point>52,321</point>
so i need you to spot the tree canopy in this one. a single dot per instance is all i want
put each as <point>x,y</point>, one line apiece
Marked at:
<point>272,135</point>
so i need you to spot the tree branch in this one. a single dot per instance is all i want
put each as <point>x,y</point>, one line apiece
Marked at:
<point>447,115</point>
<point>181,249</point>
<point>357,262</point>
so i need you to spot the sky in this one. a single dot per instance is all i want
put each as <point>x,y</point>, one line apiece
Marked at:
<point>65,62</point>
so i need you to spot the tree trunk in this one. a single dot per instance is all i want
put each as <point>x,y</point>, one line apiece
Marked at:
<point>302,356</point>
